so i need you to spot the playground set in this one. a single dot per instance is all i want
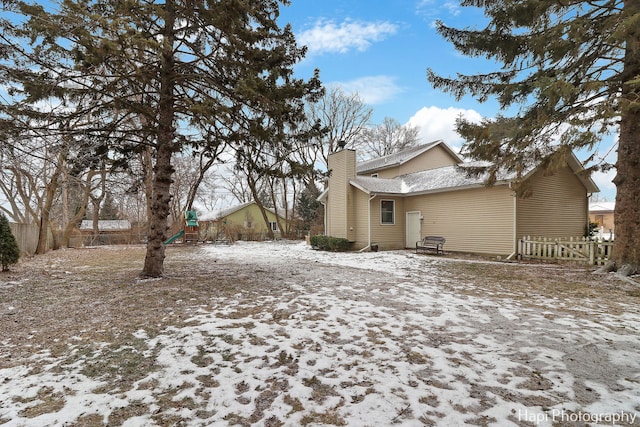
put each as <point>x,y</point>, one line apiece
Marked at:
<point>217,233</point>
<point>190,232</point>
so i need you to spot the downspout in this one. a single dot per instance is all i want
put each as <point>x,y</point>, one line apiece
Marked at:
<point>324,205</point>
<point>589,195</point>
<point>373,196</point>
<point>515,224</point>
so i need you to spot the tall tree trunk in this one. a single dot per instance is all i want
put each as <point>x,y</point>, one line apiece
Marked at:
<point>97,201</point>
<point>157,232</point>
<point>626,251</point>
<point>284,232</point>
<point>43,232</point>
<point>147,171</point>
<point>253,185</point>
<point>50,190</point>
<point>203,168</point>
<point>82,210</point>
<point>163,170</point>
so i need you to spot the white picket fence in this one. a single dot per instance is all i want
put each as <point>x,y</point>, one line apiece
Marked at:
<point>578,249</point>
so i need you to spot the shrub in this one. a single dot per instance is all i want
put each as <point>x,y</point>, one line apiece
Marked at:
<point>328,243</point>
<point>9,251</point>
<point>319,242</point>
<point>338,244</point>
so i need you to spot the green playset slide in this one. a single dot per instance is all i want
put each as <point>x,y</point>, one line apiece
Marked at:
<point>175,237</point>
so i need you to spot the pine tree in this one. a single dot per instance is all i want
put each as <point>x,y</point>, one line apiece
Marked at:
<point>309,208</point>
<point>9,251</point>
<point>109,210</point>
<point>573,69</point>
<point>174,75</point>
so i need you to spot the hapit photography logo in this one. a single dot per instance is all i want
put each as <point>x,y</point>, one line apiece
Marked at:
<point>561,416</point>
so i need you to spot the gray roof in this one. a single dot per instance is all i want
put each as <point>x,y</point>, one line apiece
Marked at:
<point>107,225</point>
<point>432,180</point>
<point>395,159</point>
<point>379,185</point>
<point>449,178</point>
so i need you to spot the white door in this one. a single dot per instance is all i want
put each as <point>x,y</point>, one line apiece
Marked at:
<point>413,229</point>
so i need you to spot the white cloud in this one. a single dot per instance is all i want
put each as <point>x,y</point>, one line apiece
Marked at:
<point>431,8</point>
<point>607,188</point>
<point>329,36</point>
<point>371,89</point>
<point>440,123</point>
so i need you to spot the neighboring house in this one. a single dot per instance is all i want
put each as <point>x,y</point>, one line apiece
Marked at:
<point>110,232</point>
<point>602,214</point>
<point>396,200</point>
<point>242,222</point>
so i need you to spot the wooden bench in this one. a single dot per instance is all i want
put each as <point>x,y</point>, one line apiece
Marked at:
<point>431,243</point>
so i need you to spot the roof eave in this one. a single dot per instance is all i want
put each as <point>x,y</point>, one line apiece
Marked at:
<point>423,192</point>
<point>371,192</point>
<point>323,196</point>
<point>587,181</point>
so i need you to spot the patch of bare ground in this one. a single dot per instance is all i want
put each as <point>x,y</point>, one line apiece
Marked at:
<point>533,283</point>
<point>282,350</point>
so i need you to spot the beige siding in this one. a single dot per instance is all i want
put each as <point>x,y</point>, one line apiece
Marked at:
<point>339,213</point>
<point>388,236</point>
<point>437,157</point>
<point>387,173</point>
<point>557,206</point>
<point>360,223</point>
<point>477,220</point>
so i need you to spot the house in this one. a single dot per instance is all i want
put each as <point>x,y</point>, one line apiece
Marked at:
<point>110,232</point>
<point>242,222</point>
<point>601,213</point>
<point>396,200</point>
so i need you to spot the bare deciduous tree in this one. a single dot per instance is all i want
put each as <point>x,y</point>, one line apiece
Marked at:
<point>387,138</point>
<point>342,117</point>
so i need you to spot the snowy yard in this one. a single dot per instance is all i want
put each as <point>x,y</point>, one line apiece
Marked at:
<point>276,334</point>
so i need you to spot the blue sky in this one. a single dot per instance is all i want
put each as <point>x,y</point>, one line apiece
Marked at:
<point>382,49</point>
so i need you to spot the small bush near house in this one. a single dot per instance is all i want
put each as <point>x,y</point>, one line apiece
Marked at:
<point>9,251</point>
<point>328,243</point>
<point>319,242</point>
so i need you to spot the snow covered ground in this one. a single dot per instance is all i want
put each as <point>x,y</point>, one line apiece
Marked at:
<point>357,339</point>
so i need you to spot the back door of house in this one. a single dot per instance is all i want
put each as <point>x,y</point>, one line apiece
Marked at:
<point>413,229</point>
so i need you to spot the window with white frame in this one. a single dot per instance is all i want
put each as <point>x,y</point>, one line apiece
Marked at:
<point>273,225</point>
<point>387,212</point>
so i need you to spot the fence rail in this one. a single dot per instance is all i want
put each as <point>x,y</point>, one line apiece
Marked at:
<point>578,249</point>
